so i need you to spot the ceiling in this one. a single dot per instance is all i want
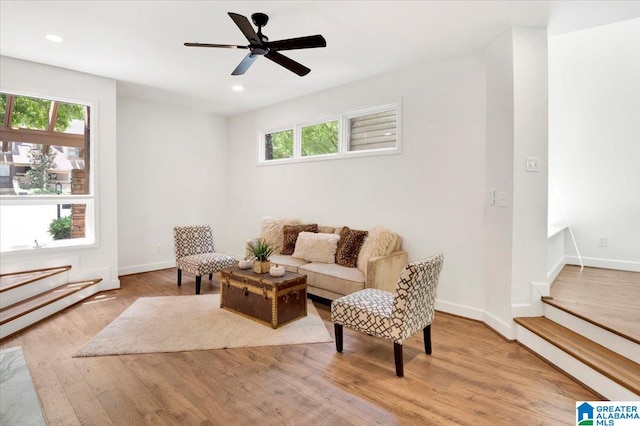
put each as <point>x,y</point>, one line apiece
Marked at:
<point>140,43</point>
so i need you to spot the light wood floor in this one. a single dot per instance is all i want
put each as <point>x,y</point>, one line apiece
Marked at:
<point>607,297</point>
<point>473,377</point>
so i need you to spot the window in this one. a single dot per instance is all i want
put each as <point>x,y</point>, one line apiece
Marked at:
<point>373,131</point>
<point>278,145</point>
<point>370,131</point>
<point>320,139</point>
<point>45,192</point>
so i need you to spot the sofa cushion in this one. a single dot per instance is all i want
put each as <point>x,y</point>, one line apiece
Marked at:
<point>272,230</point>
<point>316,247</point>
<point>379,242</point>
<point>290,263</point>
<point>291,232</point>
<point>333,277</point>
<point>326,229</point>
<point>349,246</point>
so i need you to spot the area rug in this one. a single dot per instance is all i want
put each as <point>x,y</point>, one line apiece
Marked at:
<point>191,323</point>
<point>19,403</point>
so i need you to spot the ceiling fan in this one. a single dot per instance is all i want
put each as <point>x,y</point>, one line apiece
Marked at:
<point>259,45</point>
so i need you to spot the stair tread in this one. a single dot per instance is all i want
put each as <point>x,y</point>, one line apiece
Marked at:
<point>607,298</point>
<point>16,310</point>
<point>610,364</point>
<point>16,279</point>
<point>577,309</point>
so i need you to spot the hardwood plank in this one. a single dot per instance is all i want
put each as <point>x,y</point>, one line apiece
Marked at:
<point>605,297</point>
<point>16,279</point>
<point>472,377</point>
<point>53,295</point>
<point>608,363</point>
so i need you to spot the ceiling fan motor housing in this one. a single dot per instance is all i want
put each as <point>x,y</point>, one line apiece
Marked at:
<point>260,19</point>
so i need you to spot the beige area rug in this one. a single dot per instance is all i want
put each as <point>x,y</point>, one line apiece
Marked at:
<point>190,323</point>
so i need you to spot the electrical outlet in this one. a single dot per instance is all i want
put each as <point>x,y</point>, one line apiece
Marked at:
<point>602,241</point>
<point>533,164</point>
<point>503,199</point>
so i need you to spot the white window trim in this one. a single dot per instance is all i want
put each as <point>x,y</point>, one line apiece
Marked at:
<point>91,213</point>
<point>343,134</point>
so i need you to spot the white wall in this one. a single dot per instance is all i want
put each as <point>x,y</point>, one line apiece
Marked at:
<point>594,139</point>
<point>431,194</point>
<point>530,189</point>
<point>172,170</point>
<point>35,79</point>
<point>515,240</point>
<point>498,219</point>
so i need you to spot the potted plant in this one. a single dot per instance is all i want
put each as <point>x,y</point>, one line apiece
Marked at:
<point>260,251</point>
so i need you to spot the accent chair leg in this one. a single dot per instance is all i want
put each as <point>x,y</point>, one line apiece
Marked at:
<point>397,353</point>
<point>179,277</point>
<point>338,332</point>
<point>210,277</point>
<point>198,281</point>
<point>426,333</point>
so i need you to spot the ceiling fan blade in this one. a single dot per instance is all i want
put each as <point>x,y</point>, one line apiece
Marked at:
<point>288,63</point>
<point>298,43</point>
<point>247,29</point>
<point>244,65</point>
<point>227,46</point>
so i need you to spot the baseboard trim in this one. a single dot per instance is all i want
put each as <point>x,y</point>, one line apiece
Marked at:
<point>137,269</point>
<point>555,271</point>
<point>594,262</point>
<point>508,331</point>
<point>460,310</point>
<point>499,326</point>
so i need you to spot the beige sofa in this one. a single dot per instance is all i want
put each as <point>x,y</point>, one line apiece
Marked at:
<point>377,267</point>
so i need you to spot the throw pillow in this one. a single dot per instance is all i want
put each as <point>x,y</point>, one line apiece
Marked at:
<point>379,242</point>
<point>349,245</point>
<point>272,230</point>
<point>316,247</point>
<point>290,236</point>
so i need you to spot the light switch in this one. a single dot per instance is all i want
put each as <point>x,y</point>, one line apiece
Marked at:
<point>533,164</point>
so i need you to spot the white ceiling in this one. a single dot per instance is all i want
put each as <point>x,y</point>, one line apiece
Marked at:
<point>140,43</point>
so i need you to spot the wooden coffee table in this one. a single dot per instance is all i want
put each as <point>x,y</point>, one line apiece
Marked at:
<point>273,301</point>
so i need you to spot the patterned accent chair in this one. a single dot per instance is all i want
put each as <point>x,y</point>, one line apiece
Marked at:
<point>195,253</point>
<point>393,316</point>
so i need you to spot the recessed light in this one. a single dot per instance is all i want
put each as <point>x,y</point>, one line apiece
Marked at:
<point>54,38</point>
<point>237,88</point>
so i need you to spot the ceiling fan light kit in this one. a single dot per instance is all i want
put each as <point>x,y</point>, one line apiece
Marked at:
<point>259,45</point>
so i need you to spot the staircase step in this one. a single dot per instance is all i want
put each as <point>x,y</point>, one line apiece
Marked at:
<point>615,367</point>
<point>577,310</point>
<point>31,304</point>
<point>16,279</point>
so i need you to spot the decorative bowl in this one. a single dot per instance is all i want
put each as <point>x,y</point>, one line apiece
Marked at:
<point>245,264</point>
<point>276,271</point>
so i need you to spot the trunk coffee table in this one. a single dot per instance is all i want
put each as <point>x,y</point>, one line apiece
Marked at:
<point>272,301</point>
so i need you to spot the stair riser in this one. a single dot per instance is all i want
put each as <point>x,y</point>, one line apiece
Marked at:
<point>26,291</point>
<point>609,340</point>
<point>39,314</point>
<point>575,368</point>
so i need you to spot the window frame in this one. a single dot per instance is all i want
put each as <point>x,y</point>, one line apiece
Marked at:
<point>343,136</point>
<point>90,199</point>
